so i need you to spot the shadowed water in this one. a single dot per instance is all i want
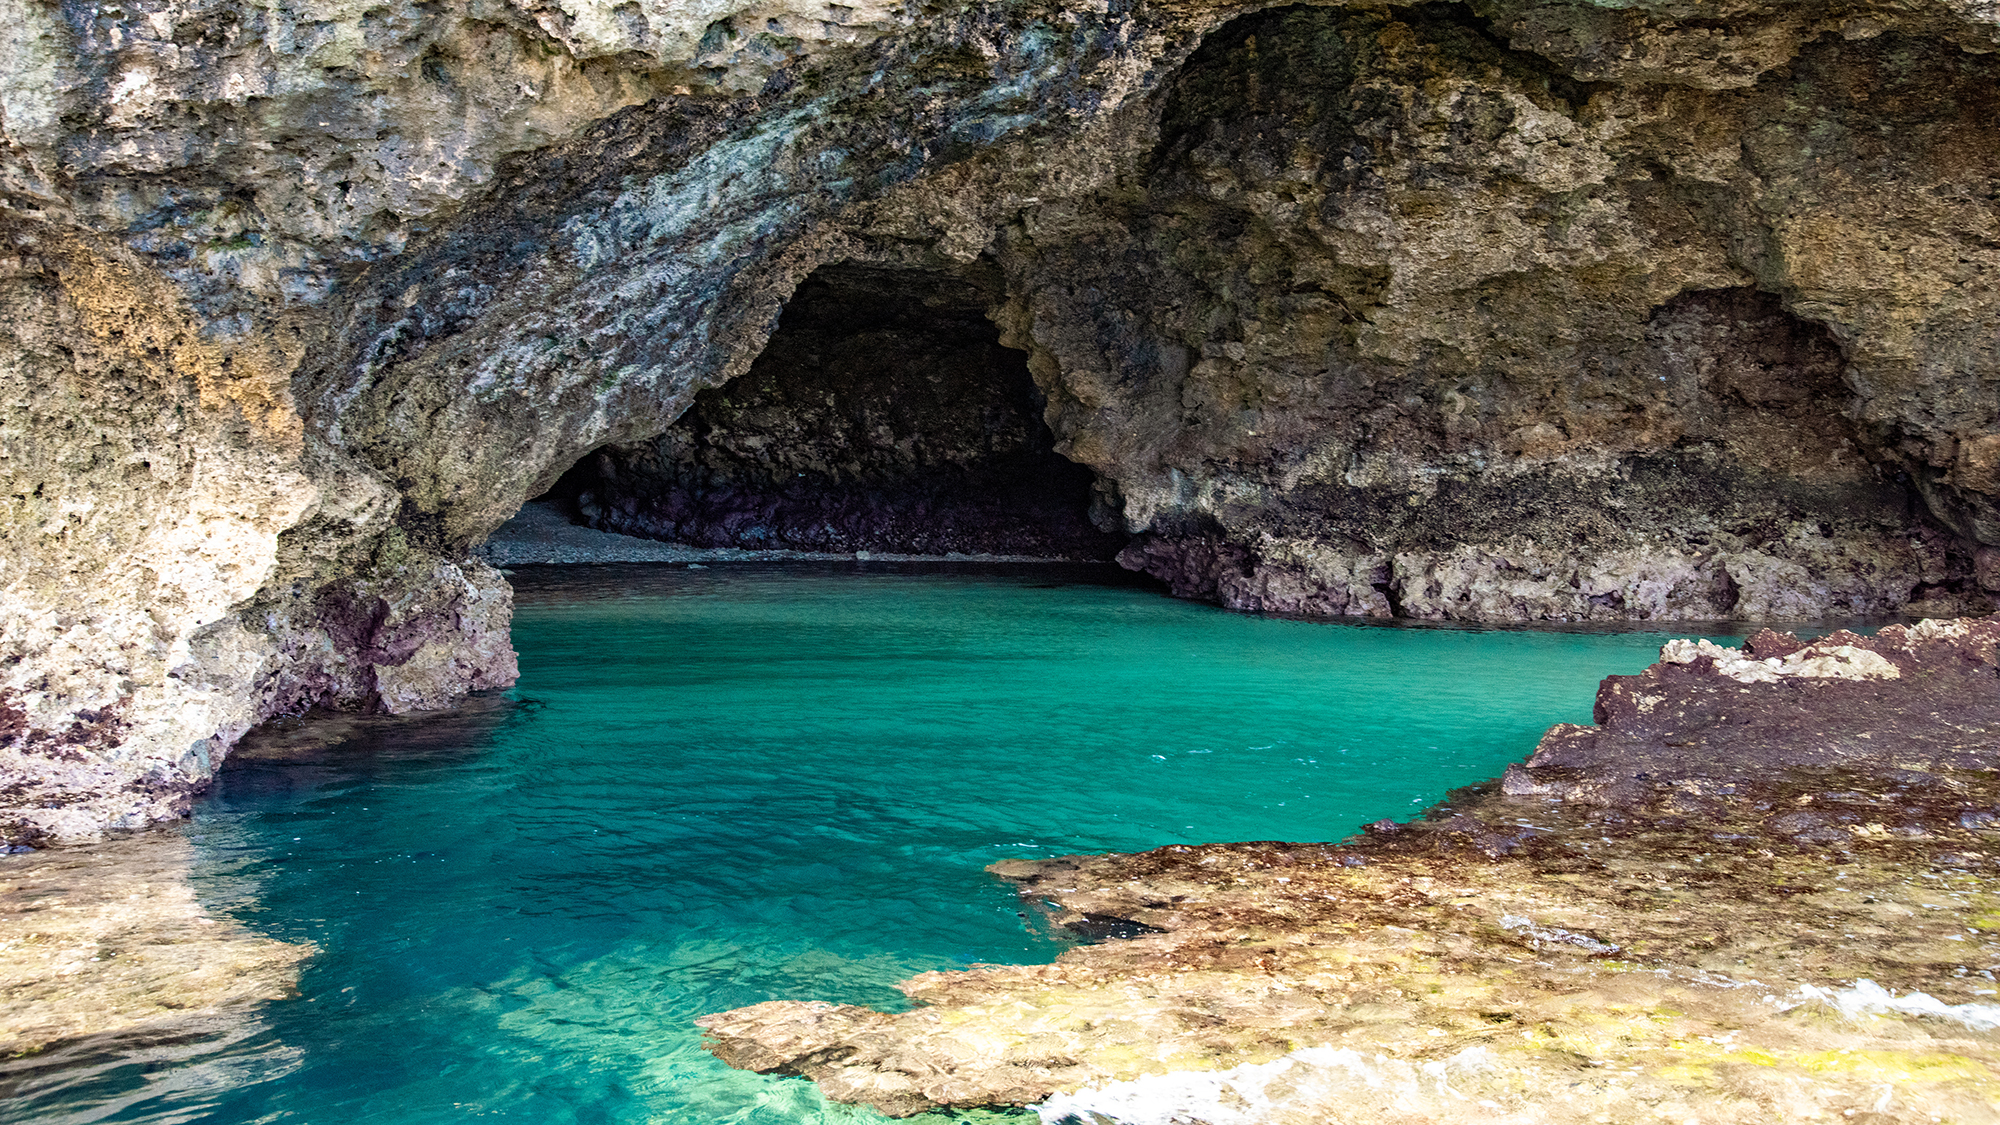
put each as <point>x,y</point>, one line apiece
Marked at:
<point>719,786</point>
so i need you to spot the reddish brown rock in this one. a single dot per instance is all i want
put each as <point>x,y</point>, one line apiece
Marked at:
<point>1760,889</point>
<point>1913,701</point>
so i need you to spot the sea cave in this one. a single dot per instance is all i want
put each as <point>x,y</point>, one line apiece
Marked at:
<point>1120,563</point>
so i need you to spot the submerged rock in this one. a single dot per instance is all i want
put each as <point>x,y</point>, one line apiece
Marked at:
<point>1738,897</point>
<point>111,940</point>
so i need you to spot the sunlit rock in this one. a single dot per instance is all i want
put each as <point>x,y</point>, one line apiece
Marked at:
<point>111,940</point>
<point>1730,900</point>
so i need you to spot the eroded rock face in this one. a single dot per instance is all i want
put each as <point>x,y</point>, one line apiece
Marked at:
<point>1760,887</point>
<point>151,471</point>
<point>1409,320</point>
<point>1513,311</point>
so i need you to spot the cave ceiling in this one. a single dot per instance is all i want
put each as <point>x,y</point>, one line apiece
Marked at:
<point>1509,311</point>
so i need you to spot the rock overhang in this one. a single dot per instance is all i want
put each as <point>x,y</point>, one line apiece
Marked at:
<point>1500,312</point>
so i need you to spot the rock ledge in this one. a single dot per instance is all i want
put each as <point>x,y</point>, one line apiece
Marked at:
<point>1759,888</point>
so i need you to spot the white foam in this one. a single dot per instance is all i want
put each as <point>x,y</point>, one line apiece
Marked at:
<point>1252,1094</point>
<point>1867,998</point>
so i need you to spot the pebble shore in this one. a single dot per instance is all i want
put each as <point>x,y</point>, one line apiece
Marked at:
<point>542,535</point>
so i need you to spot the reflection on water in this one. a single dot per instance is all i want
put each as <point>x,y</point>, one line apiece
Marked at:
<point>715,787</point>
<point>127,1076</point>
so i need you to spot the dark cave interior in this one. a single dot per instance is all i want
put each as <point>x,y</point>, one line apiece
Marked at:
<point>884,415</point>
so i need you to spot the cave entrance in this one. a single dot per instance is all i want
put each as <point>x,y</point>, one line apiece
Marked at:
<point>883,416</point>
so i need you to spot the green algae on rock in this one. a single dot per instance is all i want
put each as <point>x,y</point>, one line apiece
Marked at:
<point>1796,922</point>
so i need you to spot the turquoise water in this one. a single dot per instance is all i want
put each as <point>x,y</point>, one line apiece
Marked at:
<point>716,787</point>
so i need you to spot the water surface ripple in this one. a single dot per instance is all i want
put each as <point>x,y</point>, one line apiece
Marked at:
<point>719,786</point>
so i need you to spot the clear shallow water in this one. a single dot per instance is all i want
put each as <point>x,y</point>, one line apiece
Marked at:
<point>716,787</point>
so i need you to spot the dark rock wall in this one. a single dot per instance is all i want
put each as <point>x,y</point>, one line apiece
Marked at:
<point>884,415</point>
<point>1401,318</point>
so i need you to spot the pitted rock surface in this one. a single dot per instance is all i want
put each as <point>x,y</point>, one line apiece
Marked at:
<point>1708,720</point>
<point>1782,919</point>
<point>1511,311</point>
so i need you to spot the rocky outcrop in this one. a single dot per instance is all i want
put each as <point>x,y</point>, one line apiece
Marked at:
<point>1506,311</point>
<point>1759,888</point>
<point>1913,701</point>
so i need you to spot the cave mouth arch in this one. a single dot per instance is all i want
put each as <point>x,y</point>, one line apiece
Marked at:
<point>884,415</point>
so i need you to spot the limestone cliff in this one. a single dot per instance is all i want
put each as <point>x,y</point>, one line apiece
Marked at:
<point>1508,310</point>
